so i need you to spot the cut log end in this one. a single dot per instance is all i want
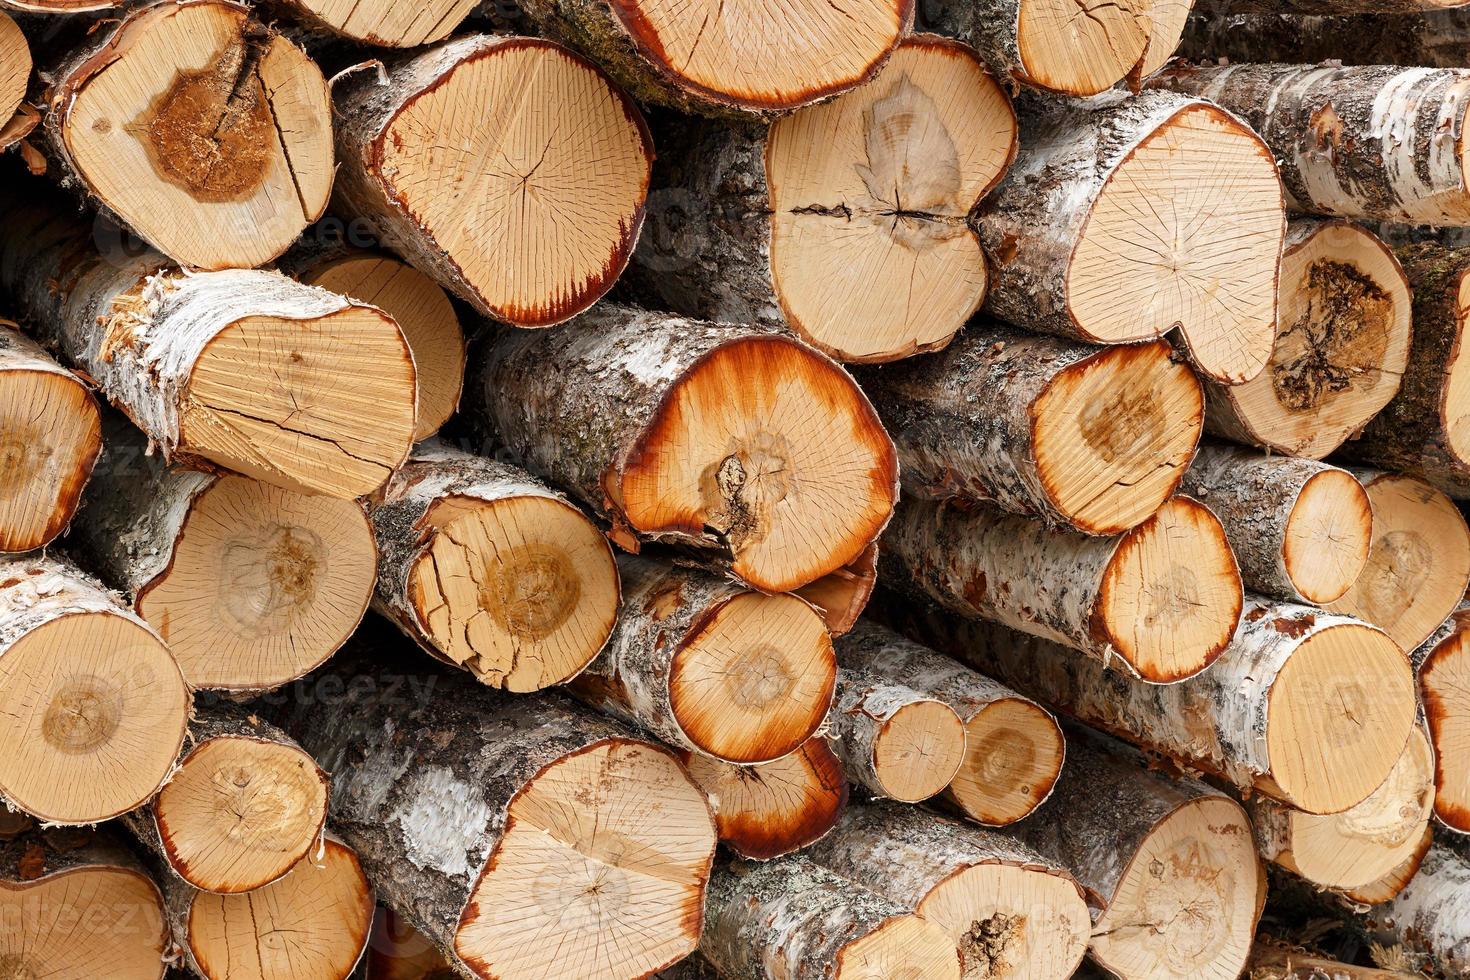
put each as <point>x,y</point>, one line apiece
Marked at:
<point>1167,20</point>
<point>384,23</point>
<point>1391,884</point>
<point>1114,433</point>
<point>871,256</point>
<point>1171,595</point>
<point>773,450</point>
<point>521,591</point>
<point>756,681</point>
<point>240,813</point>
<point>841,596</point>
<point>50,435</point>
<point>313,922</point>
<point>918,750</point>
<point>1444,678</point>
<point>612,844</point>
<point>1013,758</point>
<point>322,404</point>
<point>424,314</point>
<point>1080,47</point>
<point>15,66</point>
<point>1328,536</point>
<point>263,586</point>
<point>1206,264</point>
<point>906,947</point>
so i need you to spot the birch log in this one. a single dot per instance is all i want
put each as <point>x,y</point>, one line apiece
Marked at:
<point>894,740</point>
<point>1014,914</point>
<point>242,369</point>
<point>1444,690</point>
<point>1081,437</point>
<point>1124,218</point>
<point>1328,6</point>
<point>824,221</point>
<point>380,23</point>
<point>1342,345</point>
<point>15,66</point>
<point>793,918</point>
<point>58,6</point>
<point>251,585</point>
<point>50,435</point>
<point>790,480</point>
<point>1352,142</point>
<point>1431,915</point>
<point>535,133</point>
<point>1433,38</point>
<point>1161,600</point>
<point>1388,887</point>
<point>488,569</point>
<point>1300,530</point>
<point>1013,747</point>
<point>491,822</point>
<point>92,704</point>
<point>711,667</point>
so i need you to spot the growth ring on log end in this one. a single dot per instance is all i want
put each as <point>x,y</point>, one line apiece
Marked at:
<point>1014,752</point>
<point>1443,680</point>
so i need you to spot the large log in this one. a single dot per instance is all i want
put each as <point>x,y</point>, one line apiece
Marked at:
<point>1124,218</point>
<point>1443,682</point>
<point>50,435</point>
<point>381,23</point>
<point>789,480</point>
<point>243,369</point>
<point>1088,438</point>
<point>1014,914</point>
<point>845,221</point>
<point>898,742</point>
<point>711,667</point>
<point>487,568</point>
<point>92,704</point>
<point>524,836</point>
<point>470,158</point>
<point>1342,344</point>
<point>1433,38</point>
<point>1353,142</point>
<point>251,585</point>
<point>1160,601</point>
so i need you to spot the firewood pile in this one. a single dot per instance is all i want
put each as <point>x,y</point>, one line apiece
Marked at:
<point>863,489</point>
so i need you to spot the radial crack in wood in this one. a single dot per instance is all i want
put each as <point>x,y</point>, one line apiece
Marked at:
<point>382,23</point>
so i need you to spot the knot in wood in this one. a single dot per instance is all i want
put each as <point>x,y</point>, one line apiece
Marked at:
<point>269,578</point>
<point>531,591</point>
<point>83,715</point>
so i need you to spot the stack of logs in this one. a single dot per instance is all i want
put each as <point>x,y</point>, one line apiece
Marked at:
<point>978,497</point>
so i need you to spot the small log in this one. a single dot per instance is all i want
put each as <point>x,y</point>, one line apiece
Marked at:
<point>244,805</point>
<point>844,221</point>
<point>1081,437</point>
<point>711,667</point>
<point>50,435</point>
<point>1300,530</point>
<point>1443,681</point>
<point>1431,914</point>
<point>251,585</point>
<point>896,741</point>
<point>1352,142</point>
<point>613,408</point>
<point>841,596</point>
<point>1013,913</point>
<point>522,132</point>
<point>1013,747</point>
<point>15,66</point>
<point>774,808</point>
<point>1161,601</point>
<point>1074,232</point>
<point>243,369</point>
<point>717,60</point>
<point>1342,344</point>
<point>1418,564</point>
<point>380,23</point>
<point>77,903</point>
<point>490,570</point>
<point>92,704</point>
<point>794,919</point>
<point>398,951</point>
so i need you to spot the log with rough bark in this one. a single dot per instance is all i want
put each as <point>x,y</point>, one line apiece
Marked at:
<point>1433,38</point>
<point>489,569</point>
<point>1418,563</point>
<point>243,369</point>
<point>1088,438</point>
<point>92,704</point>
<point>1431,915</point>
<point>50,435</point>
<point>1160,601</point>
<point>1013,747</point>
<point>398,951</point>
<point>795,919</point>
<point>204,131</point>
<point>380,23</point>
<point>1354,142</point>
<point>77,903</point>
<point>898,742</point>
<point>251,585</point>
<point>1014,914</point>
<point>507,168</point>
<point>746,447</point>
<point>767,810</point>
<point>15,66</point>
<point>244,805</point>
<point>1342,344</point>
<point>714,59</point>
<point>524,836</point>
<point>418,304</point>
<point>1300,529</point>
<point>845,221</point>
<point>1124,218</point>
<point>1443,685</point>
<point>709,666</point>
